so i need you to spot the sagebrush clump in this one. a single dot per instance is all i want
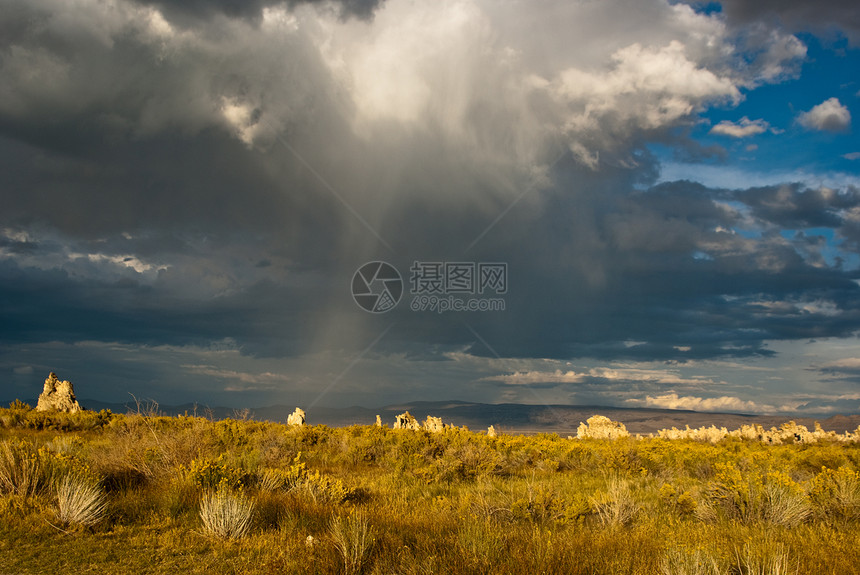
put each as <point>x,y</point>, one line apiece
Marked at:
<point>226,513</point>
<point>80,501</point>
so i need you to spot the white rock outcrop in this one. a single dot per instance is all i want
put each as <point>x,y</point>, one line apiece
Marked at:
<point>406,421</point>
<point>789,432</point>
<point>601,427</point>
<point>58,396</point>
<point>297,417</point>
<point>710,434</point>
<point>434,424</point>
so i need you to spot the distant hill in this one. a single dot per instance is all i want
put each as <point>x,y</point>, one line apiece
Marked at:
<point>506,417</point>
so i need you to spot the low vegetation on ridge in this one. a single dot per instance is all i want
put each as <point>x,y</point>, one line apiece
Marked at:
<point>138,493</point>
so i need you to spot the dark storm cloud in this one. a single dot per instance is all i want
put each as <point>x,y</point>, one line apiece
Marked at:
<point>848,369</point>
<point>664,266</point>
<point>849,405</point>
<point>106,131</point>
<point>604,264</point>
<point>826,16</point>
<point>253,9</point>
<point>51,305</point>
<point>202,173</point>
<point>793,206</point>
<point>207,185</point>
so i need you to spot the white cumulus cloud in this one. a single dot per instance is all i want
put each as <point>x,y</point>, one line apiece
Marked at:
<point>722,404</point>
<point>647,88</point>
<point>606,374</point>
<point>830,116</point>
<point>741,129</point>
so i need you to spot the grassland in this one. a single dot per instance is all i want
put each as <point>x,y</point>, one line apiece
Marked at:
<point>107,493</point>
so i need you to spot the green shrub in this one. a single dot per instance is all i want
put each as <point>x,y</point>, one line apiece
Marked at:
<point>211,474</point>
<point>835,493</point>
<point>321,488</point>
<point>616,505</point>
<point>771,497</point>
<point>23,469</point>
<point>273,479</point>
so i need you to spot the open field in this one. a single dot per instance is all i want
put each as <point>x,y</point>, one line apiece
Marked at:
<point>105,493</point>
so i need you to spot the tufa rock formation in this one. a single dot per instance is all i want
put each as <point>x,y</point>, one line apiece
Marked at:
<point>58,396</point>
<point>491,431</point>
<point>406,421</point>
<point>378,421</point>
<point>789,432</point>
<point>601,427</point>
<point>434,424</point>
<point>297,417</point>
<point>711,434</point>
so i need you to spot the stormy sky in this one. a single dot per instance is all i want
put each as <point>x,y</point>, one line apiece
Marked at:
<point>189,188</point>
